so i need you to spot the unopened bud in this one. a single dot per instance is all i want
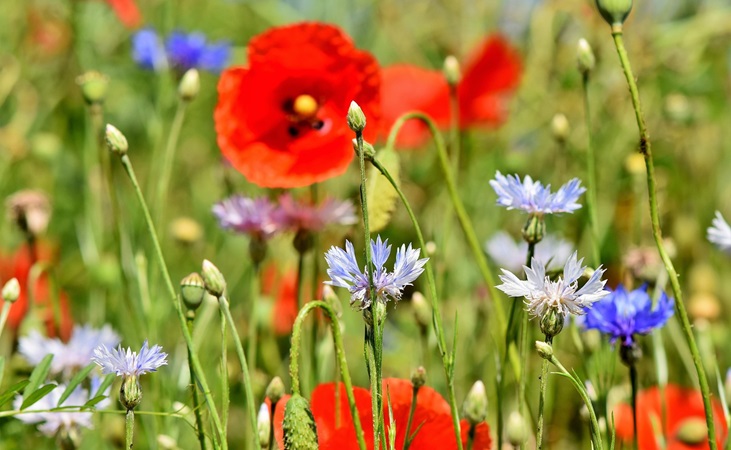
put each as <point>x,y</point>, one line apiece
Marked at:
<point>116,142</point>
<point>368,151</point>
<point>275,390</point>
<point>475,405</point>
<point>422,311</point>
<point>189,85</point>
<point>130,394</point>
<point>692,431</point>
<point>615,12</point>
<point>515,429</point>
<point>213,279</point>
<point>332,299</point>
<point>585,59</point>
<point>11,290</point>
<point>452,70</point>
<point>534,229</point>
<point>418,377</point>
<point>560,127</point>
<point>263,425</point>
<point>544,349</point>
<point>552,322</point>
<point>192,290</point>
<point>93,86</point>
<point>356,118</point>
<point>300,431</point>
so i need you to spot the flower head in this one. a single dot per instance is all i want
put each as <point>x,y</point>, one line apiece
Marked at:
<point>253,216</point>
<point>344,272</point>
<point>129,363</point>
<point>281,121</point>
<point>720,233</point>
<point>299,216</point>
<point>509,254</point>
<point>72,355</point>
<point>533,198</point>
<point>188,51</point>
<point>563,295</point>
<point>147,50</point>
<point>623,314</point>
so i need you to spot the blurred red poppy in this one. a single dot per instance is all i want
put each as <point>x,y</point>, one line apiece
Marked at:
<point>281,121</point>
<point>684,425</point>
<point>57,318</point>
<point>432,418</point>
<point>127,12</point>
<point>490,75</point>
<point>283,287</point>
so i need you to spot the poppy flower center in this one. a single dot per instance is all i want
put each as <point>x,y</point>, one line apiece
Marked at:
<point>305,107</point>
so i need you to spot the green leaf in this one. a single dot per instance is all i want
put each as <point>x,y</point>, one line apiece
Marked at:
<point>12,390</point>
<point>108,380</point>
<point>75,381</point>
<point>37,395</point>
<point>38,376</point>
<point>94,401</point>
<point>382,196</point>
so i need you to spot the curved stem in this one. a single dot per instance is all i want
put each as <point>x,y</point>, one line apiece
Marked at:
<point>194,389</point>
<point>129,429</point>
<point>339,353</point>
<point>681,313</point>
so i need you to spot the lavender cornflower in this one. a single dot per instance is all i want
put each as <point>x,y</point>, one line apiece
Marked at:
<point>624,314</point>
<point>344,272</point>
<point>187,51</point>
<point>509,254</point>
<point>71,356</point>
<point>299,216</point>
<point>720,233</point>
<point>546,298</point>
<point>535,199</point>
<point>252,216</point>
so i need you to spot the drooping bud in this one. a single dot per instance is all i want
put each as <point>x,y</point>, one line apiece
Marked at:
<point>263,425</point>
<point>192,290</point>
<point>422,311</point>
<point>692,431</point>
<point>356,118</point>
<point>116,142</point>
<point>93,86</point>
<point>213,279</point>
<point>30,210</point>
<point>130,394</point>
<point>552,322</point>
<point>368,151</point>
<point>585,59</point>
<point>544,349</point>
<point>475,405</point>
<point>615,12</point>
<point>11,290</point>
<point>189,85</point>
<point>534,229</point>
<point>515,429</point>
<point>451,70</point>
<point>418,377</point>
<point>275,390</point>
<point>300,431</point>
<point>560,127</point>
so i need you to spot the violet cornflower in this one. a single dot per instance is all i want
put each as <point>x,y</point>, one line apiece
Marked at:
<point>535,199</point>
<point>252,216</point>
<point>299,216</point>
<point>129,363</point>
<point>180,51</point>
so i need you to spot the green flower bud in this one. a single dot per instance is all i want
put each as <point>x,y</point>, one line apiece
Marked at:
<point>614,11</point>
<point>300,431</point>
<point>418,377</point>
<point>692,431</point>
<point>451,70</point>
<point>356,118</point>
<point>585,59</point>
<point>263,425</point>
<point>192,290</point>
<point>368,151</point>
<point>552,322</point>
<point>275,390</point>
<point>213,278</point>
<point>515,429</point>
<point>130,394</point>
<point>11,290</point>
<point>544,349</point>
<point>93,86</point>
<point>116,142</point>
<point>534,229</point>
<point>475,405</point>
<point>189,85</point>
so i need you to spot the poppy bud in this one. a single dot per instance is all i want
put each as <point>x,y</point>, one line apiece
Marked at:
<point>93,86</point>
<point>356,118</point>
<point>189,85</point>
<point>11,290</point>
<point>116,142</point>
<point>614,11</point>
<point>192,289</point>
<point>585,59</point>
<point>422,311</point>
<point>544,349</point>
<point>552,322</point>
<point>130,394</point>
<point>213,278</point>
<point>418,377</point>
<point>560,127</point>
<point>263,425</point>
<point>515,429</point>
<point>275,390</point>
<point>451,70</point>
<point>692,431</point>
<point>300,431</point>
<point>475,405</point>
<point>534,229</point>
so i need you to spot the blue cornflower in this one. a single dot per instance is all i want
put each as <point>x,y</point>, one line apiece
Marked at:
<point>147,50</point>
<point>252,216</point>
<point>623,314</point>
<point>187,51</point>
<point>533,198</point>
<point>344,272</point>
<point>128,363</point>
<point>720,233</point>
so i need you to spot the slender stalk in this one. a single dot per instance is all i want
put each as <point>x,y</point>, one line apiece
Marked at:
<point>412,410</point>
<point>523,343</point>
<point>250,406</point>
<point>272,440</point>
<point>633,382</point>
<point>200,375</point>
<point>542,399</point>
<point>454,142</point>
<point>129,429</point>
<point>225,399</point>
<point>194,389</point>
<point>300,279</point>
<point>339,354</point>
<point>4,316</point>
<point>253,321</point>
<point>645,147</point>
<point>591,201</point>
<point>163,181</point>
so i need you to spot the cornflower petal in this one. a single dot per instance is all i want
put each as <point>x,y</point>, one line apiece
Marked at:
<point>128,363</point>
<point>720,233</point>
<point>533,198</point>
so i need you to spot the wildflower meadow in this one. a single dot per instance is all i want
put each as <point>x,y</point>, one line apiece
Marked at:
<point>365,225</point>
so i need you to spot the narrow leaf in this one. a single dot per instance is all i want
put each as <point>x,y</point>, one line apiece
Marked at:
<point>382,196</point>
<point>94,401</point>
<point>108,380</point>
<point>37,395</point>
<point>38,376</point>
<point>12,390</point>
<point>75,381</point>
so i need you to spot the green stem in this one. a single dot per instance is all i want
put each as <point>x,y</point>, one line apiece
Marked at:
<point>523,343</point>
<point>194,389</point>
<point>200,375</point>
<point>339,353</point>
<point>454,143</point>
<point>253,321</point>
<point>250,406</point>
<point>412,410</point>
<point>681,313</point>
<point>163,181</point>
<point>300,279</point>
<point>225,393</point>
<point>591,201</point>
<point>542,399</point>
<point>129,429</point>
<point>633,382</point>
<point>4,316</point>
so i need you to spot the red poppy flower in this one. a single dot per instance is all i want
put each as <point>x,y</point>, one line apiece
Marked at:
<point>335,429</point>
<point>127,12</point>
<point>281,121</point>
<point>19,266</point>
<point>489,77</point>
<point>684,412</point>
<point>283,287</point>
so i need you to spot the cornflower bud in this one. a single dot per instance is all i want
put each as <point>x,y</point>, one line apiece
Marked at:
<point>356,118</point>
<point>422,311</point>
<point>544,349</point>
<point>116,142</point>
<point>189,85</point>
<point>560,127</point>
<point>11,290</point>
<point>451,70</point>
<point>93,86</point>
<point>585,59</point>
<point>368,151</point>
<point>213,278</point>
<point>263,425</point>
<point>275,390</point>
<point>516,432</point>
<point>475,405</point>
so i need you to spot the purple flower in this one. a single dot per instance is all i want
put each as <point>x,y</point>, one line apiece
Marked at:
<point>344,272</point>
<point>533,198</point>
<point>187,51</point>
<point>623,314</point>
<point>129,363</point>
<point>254,217</point>
<point>298,216</point>
<point>720,233</point>
<point>147,50</point>
<point>509,254</point>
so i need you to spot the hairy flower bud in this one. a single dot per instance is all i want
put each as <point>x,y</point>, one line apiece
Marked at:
<point>552,322</point>
<point>475,405</point>
<point>263,425</point>
<point>544,349</point>
<point>534,229</point>
<point>368,151</point>
<point>192,290</point>
<point>130,394</point>
<point>189,85</point>
<point>418,377</point>
<point>451,70</point>
<point>275,390</point>
<point>356,118</point>
<point>615,12</point>
<point>116,142</point>
<point>300,431</point>
<point>213,278</point>
<point>585,59</point>
<point>11,290</point>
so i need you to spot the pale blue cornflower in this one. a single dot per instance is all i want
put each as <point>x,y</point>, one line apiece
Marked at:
<point>128,363</point>
<point>563,295</point>
<point>535,199</point>
<point>509,254</point>
<point>720,233</point>
<point>344,272</point>
<point>252,216</point>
